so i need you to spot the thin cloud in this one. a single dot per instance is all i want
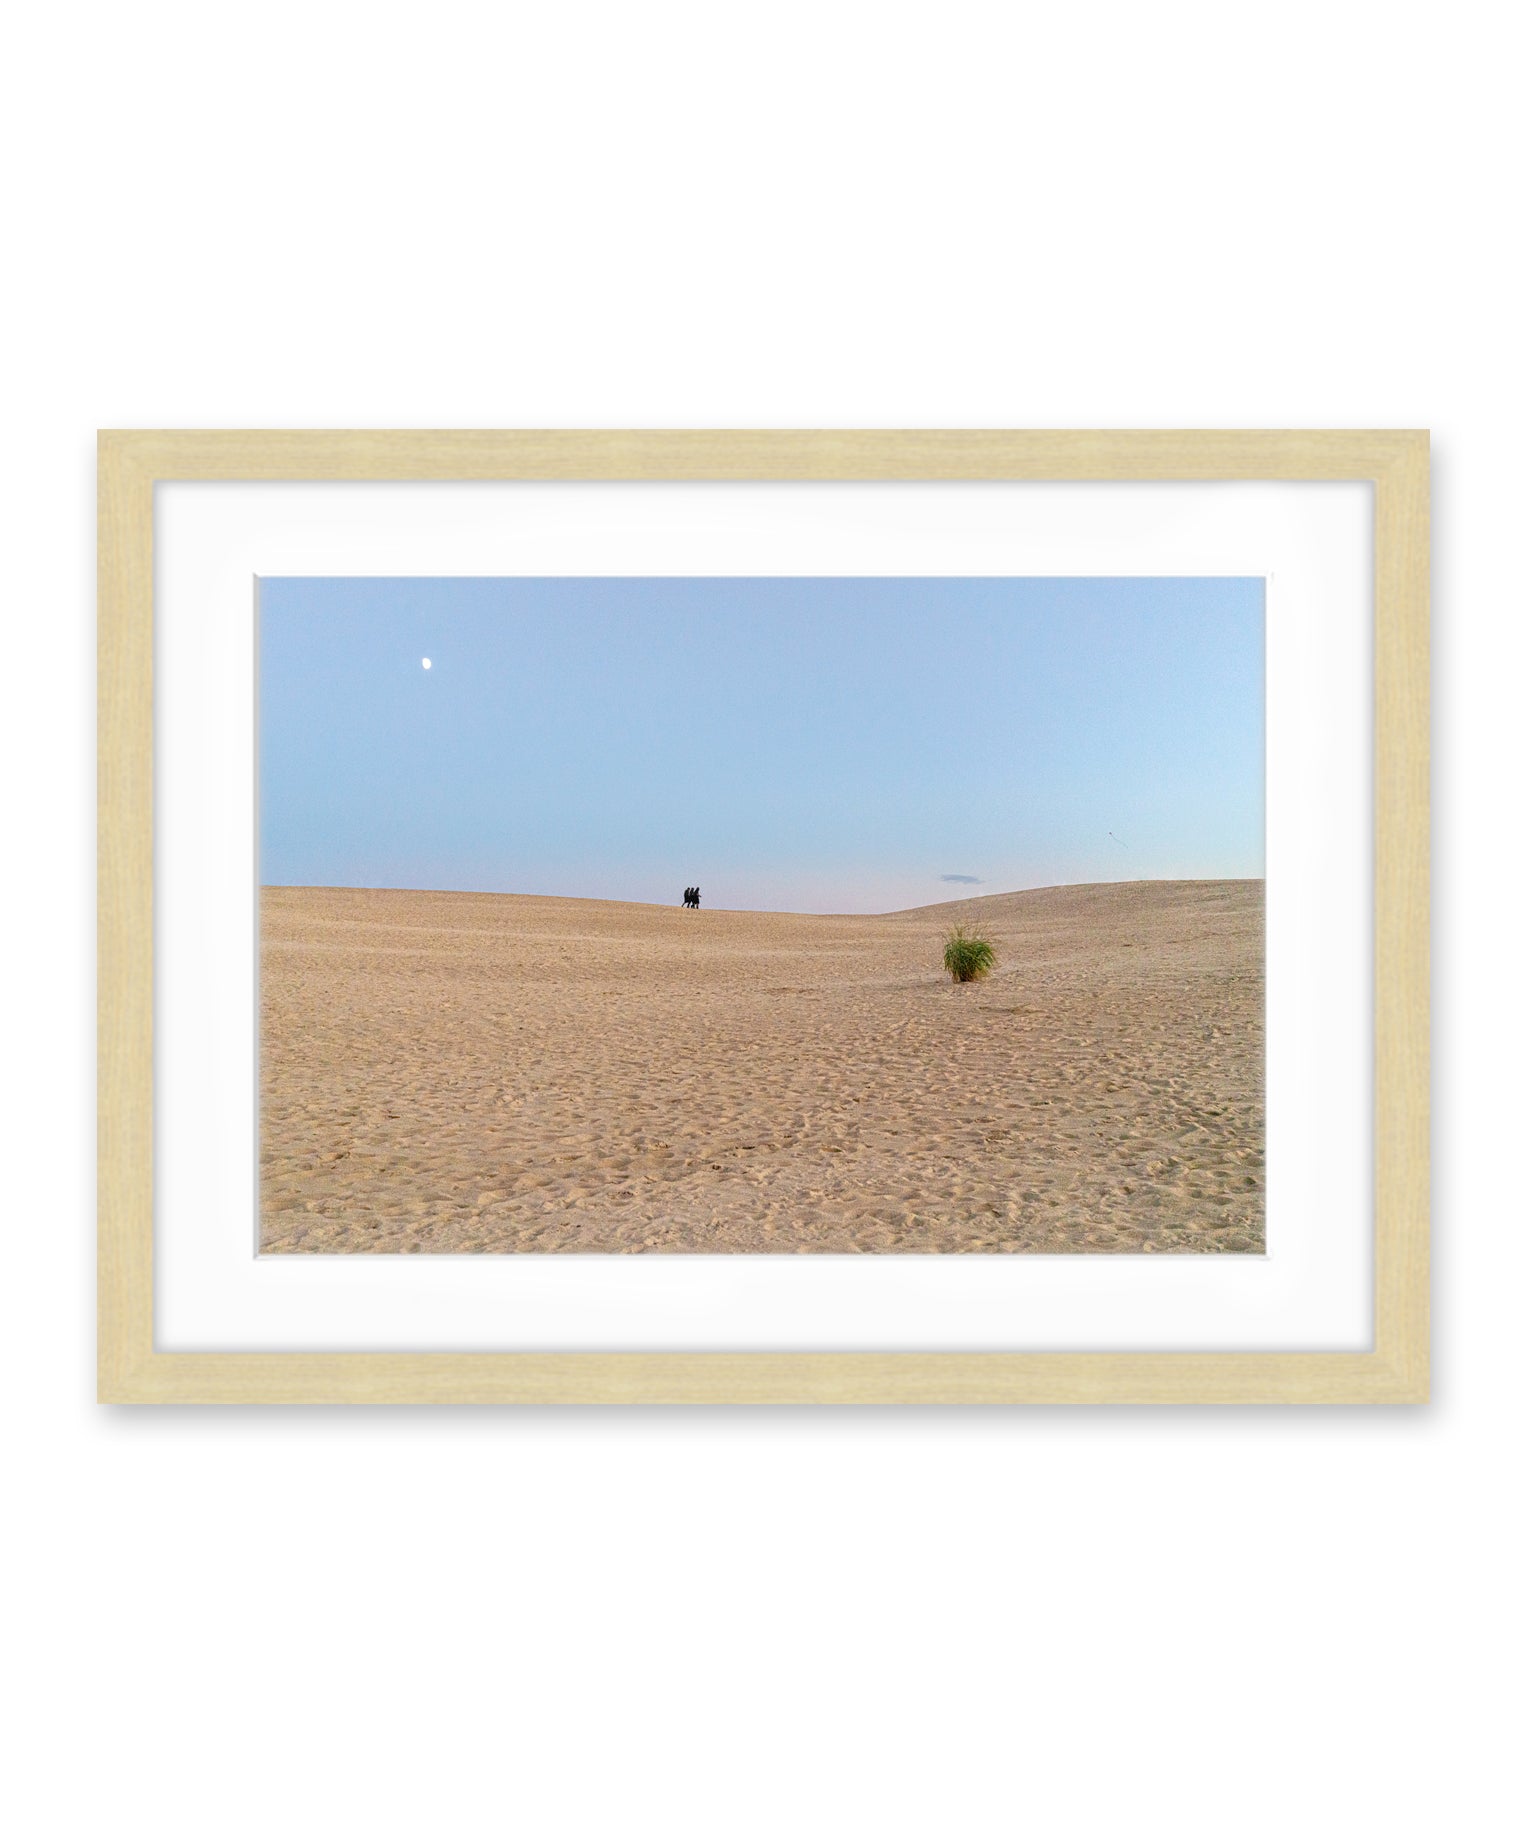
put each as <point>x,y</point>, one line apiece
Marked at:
<point>959,878</point>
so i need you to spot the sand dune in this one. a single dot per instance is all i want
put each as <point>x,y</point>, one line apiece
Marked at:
<point>451,1071</point>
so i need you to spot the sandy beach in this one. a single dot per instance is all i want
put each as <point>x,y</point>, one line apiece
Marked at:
<point>445,1071</point>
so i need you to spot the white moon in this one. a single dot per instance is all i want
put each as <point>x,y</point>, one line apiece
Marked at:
<point>425,663</point>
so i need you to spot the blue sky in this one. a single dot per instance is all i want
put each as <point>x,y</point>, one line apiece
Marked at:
<point>820,744</point>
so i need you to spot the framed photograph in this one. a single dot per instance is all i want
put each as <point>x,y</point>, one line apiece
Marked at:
<point>764,916</point>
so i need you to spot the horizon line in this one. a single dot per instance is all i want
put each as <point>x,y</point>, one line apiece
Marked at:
<point>557,897</point>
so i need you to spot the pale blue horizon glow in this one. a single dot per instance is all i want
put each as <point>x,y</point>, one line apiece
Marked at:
<point>811,744</point>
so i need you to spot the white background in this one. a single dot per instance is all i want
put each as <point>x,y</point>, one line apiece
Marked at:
<point>1311,541</point>
<point>580,1626</point>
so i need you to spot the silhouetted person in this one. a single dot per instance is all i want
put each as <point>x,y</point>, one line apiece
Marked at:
<point>688,896</point>
<point>696,897</point>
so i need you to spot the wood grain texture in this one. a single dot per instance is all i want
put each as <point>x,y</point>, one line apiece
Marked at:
<point>125,919</point>
<point>766,1378</point>
<point>1402,913</point>
<point>131,1370</point>
<point>759,455</point>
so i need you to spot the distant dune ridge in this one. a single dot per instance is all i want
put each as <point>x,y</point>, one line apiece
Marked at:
<point>451,1071</point>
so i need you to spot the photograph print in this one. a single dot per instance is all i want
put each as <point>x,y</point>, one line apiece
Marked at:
<point>777,915</point>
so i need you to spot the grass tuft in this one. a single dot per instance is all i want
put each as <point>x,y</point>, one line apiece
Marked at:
<point>967,957</point>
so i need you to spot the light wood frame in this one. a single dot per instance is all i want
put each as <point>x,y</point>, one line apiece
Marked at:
<point>132,1370</point>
